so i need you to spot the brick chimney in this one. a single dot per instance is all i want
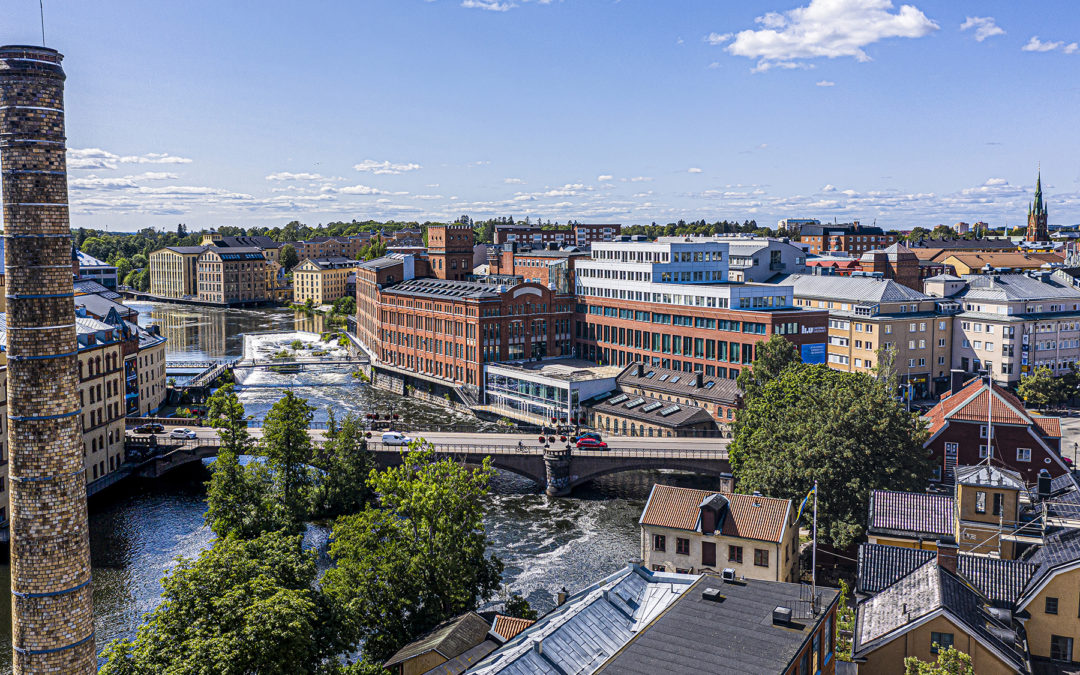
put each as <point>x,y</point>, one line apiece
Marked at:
<point>946,556</point>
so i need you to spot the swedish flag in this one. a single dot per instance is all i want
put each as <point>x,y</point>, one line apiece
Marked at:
<point>803,505</point>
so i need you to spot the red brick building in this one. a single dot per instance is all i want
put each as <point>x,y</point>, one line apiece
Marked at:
<point>450,251</point>
<point>1022,442</point>
<point>542,265</point>
<point>849,238</point>
<point>580,234</point>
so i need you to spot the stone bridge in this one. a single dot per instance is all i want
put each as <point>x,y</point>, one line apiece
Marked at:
<point>558,469</point>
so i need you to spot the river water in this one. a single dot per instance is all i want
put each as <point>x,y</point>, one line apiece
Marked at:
<point>138,528</point>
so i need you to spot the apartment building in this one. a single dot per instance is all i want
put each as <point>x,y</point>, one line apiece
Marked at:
<point>1010,324</point>
<point>692,531</point>
<point>544,265</point>
<point>670,304</point>
<point>759,259</point>
<point>322,280</point>
<point>581,234</point>
<point>231,275</point>
<point>326,247</point>
<point>867,314</point>
<point>850,238</point>
<point>174,271</point>
<point>939,249</point>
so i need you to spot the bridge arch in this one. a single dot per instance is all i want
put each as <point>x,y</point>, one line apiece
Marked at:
<point>718,471</point>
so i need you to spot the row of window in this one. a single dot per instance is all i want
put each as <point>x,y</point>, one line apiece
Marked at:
<point>735,553</point>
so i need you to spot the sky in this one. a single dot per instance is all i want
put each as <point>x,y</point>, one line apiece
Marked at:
<point>633,111</point>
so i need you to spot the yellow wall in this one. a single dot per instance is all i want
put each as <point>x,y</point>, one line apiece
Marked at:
<point>421,664</point>
<point>976,538</point>
<point>1066,588</point>
<point>783,565</point>
<point>906,543</point>
<point>888,659</point>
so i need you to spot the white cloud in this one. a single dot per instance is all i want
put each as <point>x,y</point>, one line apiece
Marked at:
<point>96,158</point>
<point>385,167</point>
<point>513,181</point>
<point>693,169</point>
<point>826,83</point>
<point>361,190</point>
<point>604,177</point>
<point>984,26</point>
<point>491,5</point>
<point>288,176</point>
<point>718,38</point>
<point>1037,45</point>
<point>826,28</point>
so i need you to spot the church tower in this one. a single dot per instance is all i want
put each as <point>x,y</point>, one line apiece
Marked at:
<point>1036,229</point>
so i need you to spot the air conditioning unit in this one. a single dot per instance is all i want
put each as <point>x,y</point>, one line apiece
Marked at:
<point>781,615</point>
<point>728,574</point>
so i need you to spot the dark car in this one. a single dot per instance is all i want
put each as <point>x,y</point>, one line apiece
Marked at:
<point>587,434</point>
<point>589,443</point>
<point>149,429</point>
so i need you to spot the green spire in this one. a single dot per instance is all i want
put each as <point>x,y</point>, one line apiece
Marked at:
<point>1039,208</point>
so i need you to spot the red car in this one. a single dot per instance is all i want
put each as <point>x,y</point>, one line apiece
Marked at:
<point>588,443</point>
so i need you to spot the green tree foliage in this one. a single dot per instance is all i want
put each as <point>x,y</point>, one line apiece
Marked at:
<point>287,447</point>
<point>345,306</point>
<point>241,607</point>
<point>773,357</point>
<point>1041,389</point>
<point>844,430</point>
<point>288,257</point>
<point>517,606</point>
<point>845,623</point>
<point>344,464</point>
<point>419,559</point>
<point>376,248</point>
<point>949,662</point>
<point>698,228</point>
<point>123,268</point>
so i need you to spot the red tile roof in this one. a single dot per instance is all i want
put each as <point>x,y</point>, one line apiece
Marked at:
<point>509,626</point>
<point>971,402</point>
<point>750,517</point>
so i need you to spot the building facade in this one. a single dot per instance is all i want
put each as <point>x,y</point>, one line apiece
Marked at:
<point>174,271</point>
<point>669,305</point>
<point>850,238</point>
<point>1037,228</point>
<point>581,234</point>
<point>322,280</point>
<point>450,251</point>
<point>231,276</point>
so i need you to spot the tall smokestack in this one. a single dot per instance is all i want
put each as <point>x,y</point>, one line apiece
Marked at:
<point>52,613</point>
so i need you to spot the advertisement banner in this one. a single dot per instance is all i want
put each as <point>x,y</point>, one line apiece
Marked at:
<point>814,354</point>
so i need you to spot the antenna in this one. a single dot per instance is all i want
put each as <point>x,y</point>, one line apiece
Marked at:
<point>41,7</point>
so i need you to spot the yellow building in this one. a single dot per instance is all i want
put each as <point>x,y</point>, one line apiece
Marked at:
<point>869,313</point>
<point>987,509</point>
<point>930,609</point>
<point>174,271</point>
<point>322,280</point>
<point>691,531</point>
<point>1051,601</point>
<point>232,275</point>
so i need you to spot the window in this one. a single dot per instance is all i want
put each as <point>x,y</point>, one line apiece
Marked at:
<point>1061,648</point>
<point>734,554</point>
<point>682,546</point>
<point>982,431</point>
<point>708,554</point>
<point>999,500</point>
<point>940,640</point>
<point>1051,605</point>
<point>980,501</point>
<point>659,542</point>
<point>761,557</point>
<point>1023,454</point>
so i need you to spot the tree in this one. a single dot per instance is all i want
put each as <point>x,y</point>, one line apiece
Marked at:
<point>845,623</point>
<point>517,606</point>
<point>773,356</point>
<point>1040,389</point>
<point>239,497</point>
<point>419,559</point>
<point>243,606</point>
<point>949,662</point>
<point>139,261</point>
<point>345,305</point>
<point>123,268</point>
<point>843,430</point>
<point>344,462</point>
<point>287,447</point>
<point>288,257</point>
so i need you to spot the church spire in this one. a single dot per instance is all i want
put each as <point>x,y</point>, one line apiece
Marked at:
<point>1037,216</point>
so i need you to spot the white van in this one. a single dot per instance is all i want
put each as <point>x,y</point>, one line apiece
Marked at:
<point>395,438</point>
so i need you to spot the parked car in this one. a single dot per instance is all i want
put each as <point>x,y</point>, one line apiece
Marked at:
<point>395,438</point>
<point>587,434</point>
<point>181,432</point>
<point>150,428</point>
<point>589,443</point>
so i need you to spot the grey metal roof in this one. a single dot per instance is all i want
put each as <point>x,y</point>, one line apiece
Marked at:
<point>1059,548</point>
<point>852,289</point>
<point>254,240</point>
<point>187,249</point>
<point>380,263</point>
<point>678,383</point>
<point>654,411</point>
<point>100,306</point>
<point>943,277</point>
<point>981,474</point>
<point>331,262</point>
<point>974,244</point>
<point>445,288</point>
<point>999,580</point>
<point>1016,287</point>
<point>734,636</point>
<point>91,287</point>
<point>911,514</point>
<point>590,627</point>
<point>925,591</point>
<point>843,228</point>
<point>450,638</point>
<point>462,662</point>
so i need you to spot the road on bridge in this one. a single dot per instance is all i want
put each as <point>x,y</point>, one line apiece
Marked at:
<point>507,442</point>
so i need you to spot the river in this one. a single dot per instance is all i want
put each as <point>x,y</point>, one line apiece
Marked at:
<point>139,527</point>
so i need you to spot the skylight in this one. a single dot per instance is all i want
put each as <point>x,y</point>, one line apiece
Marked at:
<point>670,410</point>
<point>636,402</point>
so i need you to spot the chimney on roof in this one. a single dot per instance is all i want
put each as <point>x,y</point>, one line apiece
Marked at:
<point>946,556</point>
<point>698,379</point>
<point>641,369</point>
<point>956,380</point>
<point>1044,484</point>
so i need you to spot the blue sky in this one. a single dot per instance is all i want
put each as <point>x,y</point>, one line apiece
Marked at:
<point>632,111</point>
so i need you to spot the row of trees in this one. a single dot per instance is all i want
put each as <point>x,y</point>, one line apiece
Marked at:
<point>699,228</point>
<point>1041,389</point>
<point>408,548</point>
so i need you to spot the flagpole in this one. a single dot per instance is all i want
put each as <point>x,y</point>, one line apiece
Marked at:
<point>813,559</point>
